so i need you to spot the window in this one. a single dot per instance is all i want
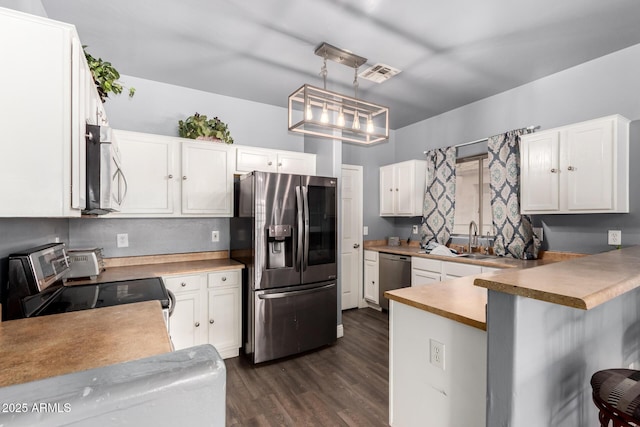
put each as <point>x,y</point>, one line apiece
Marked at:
<point>473,196</point>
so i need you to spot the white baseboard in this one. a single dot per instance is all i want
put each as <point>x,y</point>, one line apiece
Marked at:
<point>340,331</point>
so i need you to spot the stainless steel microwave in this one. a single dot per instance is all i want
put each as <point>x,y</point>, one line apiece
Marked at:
<point>106,182</point>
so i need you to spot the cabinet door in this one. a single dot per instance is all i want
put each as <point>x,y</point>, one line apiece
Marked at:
<point>186,324</point>
<point>452,270</point>
<point>423,277</point>
<point>207,181</point>
<point>296,163</point>
<point>371,286</point>
<point>248,159</point>
<point>540,171</point>
<point>149,164</point>
<point>589,166</point>
<point>404,178</point>
<point>225,320</point>
<point>387,190</point>
<point>36,119</point>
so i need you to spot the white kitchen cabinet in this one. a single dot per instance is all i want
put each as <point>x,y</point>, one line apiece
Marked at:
<point>150,164</point>
<point>42,119</point>
<point>186,326</point>
<point>371,277</point>
<point>490,269</point>
<point>208,310</point>
<point>169,176</point>
<point>580,168</point>
<point>207,179</point>
<point>266,160</point>
<point>453,270</point>
<point>225,316</point>
<point>402,187</point>
<point>425,271</point>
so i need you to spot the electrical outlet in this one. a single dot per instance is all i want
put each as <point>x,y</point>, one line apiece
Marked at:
<point>415,229</point>
<point>365,230</point>
<point>215,236</point>
<point>122,240</point>
<point>436,353</point>
<point>614,237</point>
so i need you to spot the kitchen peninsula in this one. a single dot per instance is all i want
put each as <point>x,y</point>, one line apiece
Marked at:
<point>549,328</point>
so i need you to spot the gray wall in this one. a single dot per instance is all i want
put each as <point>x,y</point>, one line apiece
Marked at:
<point>541,357</point>
<point>601,87</point>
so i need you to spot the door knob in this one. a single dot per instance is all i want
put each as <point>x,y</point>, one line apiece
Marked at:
<point>356,245</point>
<point>197,324</point>
<point>554,170</point>
<point>211,321</point>
<point>184,177</point>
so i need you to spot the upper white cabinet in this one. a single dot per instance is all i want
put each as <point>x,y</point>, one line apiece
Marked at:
<point>42,119</point>
<point>402,187</point>
<point>580,168</point>
<point>262,159</point>
<point>169,176</point>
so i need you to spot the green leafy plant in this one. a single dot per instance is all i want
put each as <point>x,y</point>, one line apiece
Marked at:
<point>199,125</point>
<point>105,76</point>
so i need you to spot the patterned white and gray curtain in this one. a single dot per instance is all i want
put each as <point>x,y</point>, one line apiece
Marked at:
<point>440,195</point>
<point>514,233</point>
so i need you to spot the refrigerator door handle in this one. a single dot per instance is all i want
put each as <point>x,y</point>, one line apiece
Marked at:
<point>305,197</point>
<point>293,293</point>
<point>300,225</point>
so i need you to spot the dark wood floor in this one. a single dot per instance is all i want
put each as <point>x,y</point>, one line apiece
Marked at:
<point>345,384</point>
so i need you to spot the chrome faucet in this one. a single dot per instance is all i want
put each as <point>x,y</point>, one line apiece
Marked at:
<point>473,238</point>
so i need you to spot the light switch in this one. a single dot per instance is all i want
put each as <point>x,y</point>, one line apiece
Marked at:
<point>122,240</point>
<point>365,230</point>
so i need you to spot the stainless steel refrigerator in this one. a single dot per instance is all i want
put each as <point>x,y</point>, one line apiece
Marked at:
<point>284,230</point>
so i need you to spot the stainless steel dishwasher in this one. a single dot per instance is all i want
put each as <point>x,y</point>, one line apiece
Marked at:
<point>394,273</point>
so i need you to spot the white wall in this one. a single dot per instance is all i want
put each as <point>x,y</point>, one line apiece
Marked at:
<point>606,85</point>
<point>542,356</point>
<point>157,107</point>
<point>424,395</point>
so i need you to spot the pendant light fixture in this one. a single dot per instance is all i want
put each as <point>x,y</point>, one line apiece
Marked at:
<point>323,113</point>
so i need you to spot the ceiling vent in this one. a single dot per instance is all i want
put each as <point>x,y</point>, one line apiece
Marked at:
<point>379,73</point>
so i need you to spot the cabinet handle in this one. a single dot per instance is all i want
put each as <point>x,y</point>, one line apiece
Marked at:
<point>183,284</point>
<point>391,189</point>
<point>211,321</point>
<point>554,170</point>
<point>279,164</point>
<point>571,168</point>
<point>224,278</point>
<point>396,189</point>
<point>170,176</point>
<point>184,177</point>
<point>197,324</point>
<point>269,164</point>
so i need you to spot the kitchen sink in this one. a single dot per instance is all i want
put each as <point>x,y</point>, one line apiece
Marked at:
<point>478,256</point>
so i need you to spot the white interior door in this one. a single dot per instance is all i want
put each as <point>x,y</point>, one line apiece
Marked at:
<point>351,270</point>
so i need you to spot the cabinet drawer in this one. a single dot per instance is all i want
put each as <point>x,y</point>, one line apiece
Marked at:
<point>191,282</point>
<point>460,270</point>
<point>426,264</point>
<point>490,269</point>
<point>371,255</point>
<point>224,278</point>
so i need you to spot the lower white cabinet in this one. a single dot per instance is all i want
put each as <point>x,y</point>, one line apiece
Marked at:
<point>371,275</point>
<point>425,271</point>
<point>208,311</point>
<point>452,270</point>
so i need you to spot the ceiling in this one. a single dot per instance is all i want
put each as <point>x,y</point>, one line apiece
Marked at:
<point>451,52</point>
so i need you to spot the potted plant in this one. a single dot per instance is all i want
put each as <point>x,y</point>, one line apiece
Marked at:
<point>199,126</point>
<point>105,77</point>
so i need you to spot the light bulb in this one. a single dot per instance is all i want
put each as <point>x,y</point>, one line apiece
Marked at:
<point>309,113</point>
<point>341,121</point>
<point>324,117</point>
<point>356,121</point>
<point>369,124</point>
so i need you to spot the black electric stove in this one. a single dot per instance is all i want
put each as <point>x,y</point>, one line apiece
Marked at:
<point>84,297</point>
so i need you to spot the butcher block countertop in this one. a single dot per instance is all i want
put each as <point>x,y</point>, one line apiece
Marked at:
<point>131,268</point>
<point>456,299</point>
<point>47,346</point>
<point>579,283</point>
